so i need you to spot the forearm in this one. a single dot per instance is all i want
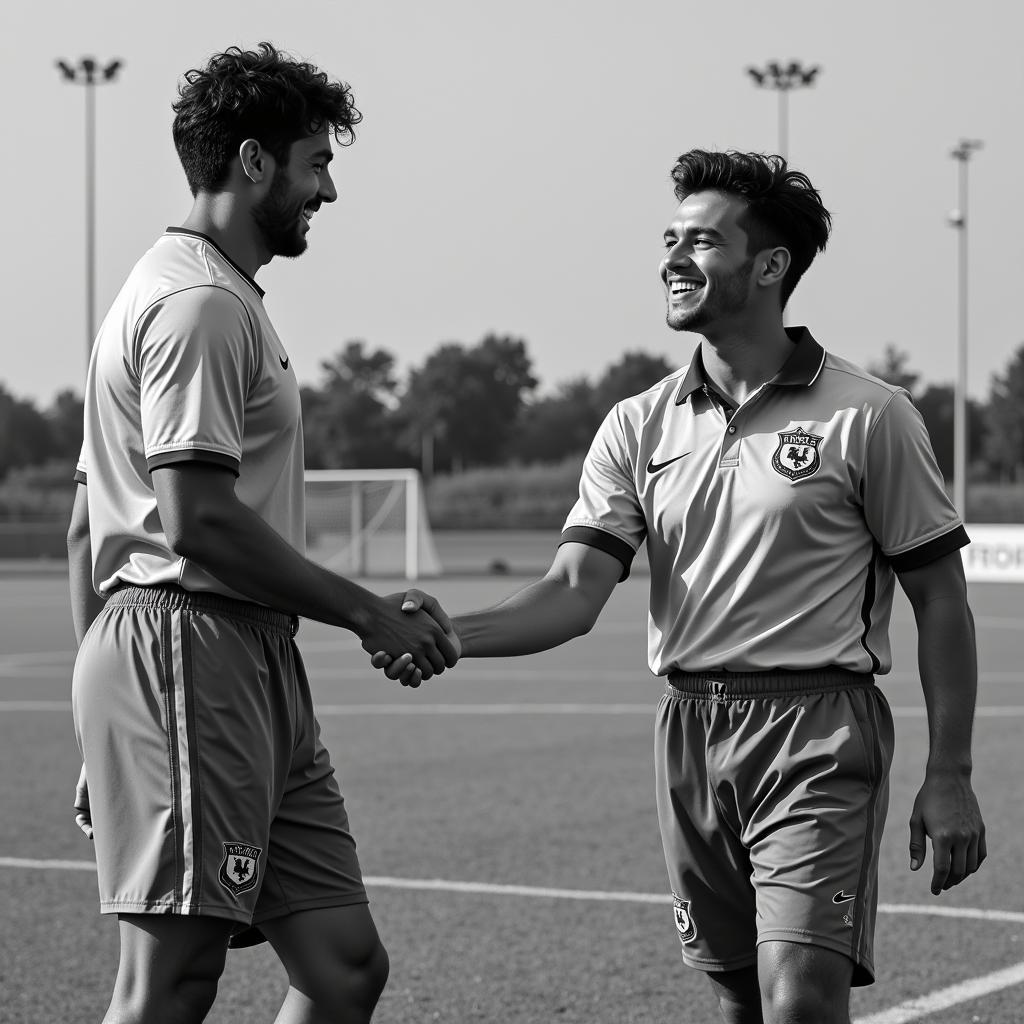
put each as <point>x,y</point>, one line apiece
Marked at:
<point>948,665</point>
<point>543,615</point>
<point>238,547</point>
<point>85,602</point>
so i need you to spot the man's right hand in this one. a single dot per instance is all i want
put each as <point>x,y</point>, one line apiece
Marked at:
<point>420,637</point>
<point>83,815</point>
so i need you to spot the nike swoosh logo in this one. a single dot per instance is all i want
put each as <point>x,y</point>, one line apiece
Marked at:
<point>284,363</point>
<point>654,467</point>
<point>843,897</point>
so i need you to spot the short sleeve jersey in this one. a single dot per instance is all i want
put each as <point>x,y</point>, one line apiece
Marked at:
<point>773,529</point>
<point>186,367</point>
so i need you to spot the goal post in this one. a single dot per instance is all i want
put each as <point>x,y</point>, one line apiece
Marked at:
<point>369,522</point>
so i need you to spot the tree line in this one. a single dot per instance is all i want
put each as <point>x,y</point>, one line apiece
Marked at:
<point>468,406</point>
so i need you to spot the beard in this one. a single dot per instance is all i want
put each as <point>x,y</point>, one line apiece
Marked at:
<point>279,219</point>
<point>730,297</point>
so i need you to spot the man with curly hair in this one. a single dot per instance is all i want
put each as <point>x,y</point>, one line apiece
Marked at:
<point>780,491</point>
<point>205,785</point>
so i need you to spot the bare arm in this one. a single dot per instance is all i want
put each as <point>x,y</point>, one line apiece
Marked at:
<point>85,602</point>
<point>563,604</point>
<point>206,523</point>
<point>946,808</point>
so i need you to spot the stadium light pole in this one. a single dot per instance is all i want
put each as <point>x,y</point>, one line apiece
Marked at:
<point>90,74</point>
<point>958,221</point>
<point>784,80</point>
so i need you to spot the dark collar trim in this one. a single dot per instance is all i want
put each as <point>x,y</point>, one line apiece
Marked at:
<point>801,369</point>
<point>209,241</point>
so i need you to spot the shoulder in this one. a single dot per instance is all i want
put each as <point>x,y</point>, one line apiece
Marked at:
<point>642,404</point>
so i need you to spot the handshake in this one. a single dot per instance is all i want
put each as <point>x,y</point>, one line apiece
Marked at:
<point>412,638</point>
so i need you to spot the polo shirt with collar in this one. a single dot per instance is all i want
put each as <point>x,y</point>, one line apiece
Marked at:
<point>774,528</point>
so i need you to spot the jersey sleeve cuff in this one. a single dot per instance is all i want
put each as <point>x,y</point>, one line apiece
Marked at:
<point>932,550</point>
<point>192,455</point>
<point>603,541</point>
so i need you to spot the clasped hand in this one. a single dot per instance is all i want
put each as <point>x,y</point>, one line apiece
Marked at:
<point>409,668</point>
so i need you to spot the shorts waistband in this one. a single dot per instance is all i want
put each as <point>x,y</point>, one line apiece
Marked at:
<point>175,598</point>
<point>723,686</point>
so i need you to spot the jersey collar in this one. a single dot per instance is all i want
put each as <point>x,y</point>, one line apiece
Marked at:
<point>209,241</point>
<point>801,369</point>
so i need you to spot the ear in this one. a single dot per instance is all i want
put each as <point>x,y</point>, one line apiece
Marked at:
<point>771,266</point>
<point>255,161</point>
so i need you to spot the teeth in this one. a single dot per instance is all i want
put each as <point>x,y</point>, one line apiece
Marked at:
<point>684,286</point>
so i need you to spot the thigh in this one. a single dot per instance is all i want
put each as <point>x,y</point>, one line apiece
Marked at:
<point>314,945</point>
<point>814,831</point>
<point>708,866</point>
<point>160,953</point>
<point>312,859</point>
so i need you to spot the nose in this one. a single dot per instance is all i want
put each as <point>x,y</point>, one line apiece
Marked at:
<point>327,192</point>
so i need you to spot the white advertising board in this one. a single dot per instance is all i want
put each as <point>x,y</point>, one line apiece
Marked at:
<point>995,554</point>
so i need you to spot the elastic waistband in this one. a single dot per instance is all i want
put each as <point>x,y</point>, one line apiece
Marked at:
<point>725,686</point>
<point>175,598</point>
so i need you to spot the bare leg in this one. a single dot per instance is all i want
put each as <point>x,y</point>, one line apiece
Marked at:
<point>169,968</point>
<point>803,984</point>
<point>336,964</point>
<point>738,994</point>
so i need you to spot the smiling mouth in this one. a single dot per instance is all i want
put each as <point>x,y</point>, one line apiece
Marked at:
<point>679,289</point>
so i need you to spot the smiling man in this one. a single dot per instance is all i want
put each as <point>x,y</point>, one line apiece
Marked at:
<point>207,790</point>
<point>780,491</point>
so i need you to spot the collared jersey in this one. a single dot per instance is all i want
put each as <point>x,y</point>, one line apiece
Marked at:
<point>186,367</point>
<point>773,530</point>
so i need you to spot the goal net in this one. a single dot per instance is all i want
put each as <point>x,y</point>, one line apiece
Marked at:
<point>369,522</point>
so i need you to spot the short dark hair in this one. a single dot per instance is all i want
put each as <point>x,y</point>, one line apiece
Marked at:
<point>262,94</point>
<point>783,207</point>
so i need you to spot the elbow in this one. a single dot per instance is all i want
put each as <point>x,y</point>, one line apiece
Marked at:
<point>196,538</point>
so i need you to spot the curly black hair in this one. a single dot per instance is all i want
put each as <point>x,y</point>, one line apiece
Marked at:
<point>263,94</point>
<point>783,207</point>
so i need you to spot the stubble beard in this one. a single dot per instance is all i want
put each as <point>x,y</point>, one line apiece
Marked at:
<point>731,297</point>
<point>278,220</point>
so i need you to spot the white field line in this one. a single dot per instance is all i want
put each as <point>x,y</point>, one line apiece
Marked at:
<point>524,708</point>
<point>944,998</point>
<point>910,1010</point>
<point>542,892</point>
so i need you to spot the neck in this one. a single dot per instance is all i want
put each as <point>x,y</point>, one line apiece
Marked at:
<point>221,217</point>
<point>740,357</point>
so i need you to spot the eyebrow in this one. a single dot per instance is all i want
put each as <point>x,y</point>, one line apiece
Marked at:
<point>326,155</point>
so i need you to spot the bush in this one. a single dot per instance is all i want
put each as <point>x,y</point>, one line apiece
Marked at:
<point>514,497</point>
<point>995,503</point>
<point>43,493</point>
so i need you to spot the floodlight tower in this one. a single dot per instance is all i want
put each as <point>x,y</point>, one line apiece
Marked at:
<point>784,80</point>
<point>958,221</point>
<point>90,74</point>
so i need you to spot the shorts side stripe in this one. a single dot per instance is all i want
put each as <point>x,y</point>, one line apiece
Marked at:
<point>195,775</point>
<point>171,726</point>
<point>871,734</point>
<point>184,817</point>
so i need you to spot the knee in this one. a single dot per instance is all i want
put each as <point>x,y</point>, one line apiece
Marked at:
<point>186,998</point>
<point>354,983</point>
<point>801,1000</point>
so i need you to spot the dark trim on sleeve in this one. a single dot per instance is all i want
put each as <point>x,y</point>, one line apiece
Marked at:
<point>193,455</point>
<point>80,477</point>
<point>603,541</point>
<point>932,551</point>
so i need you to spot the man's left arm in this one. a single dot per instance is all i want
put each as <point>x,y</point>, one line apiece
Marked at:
<point>946,808</point>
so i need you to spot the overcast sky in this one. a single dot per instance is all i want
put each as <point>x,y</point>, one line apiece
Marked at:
<point>511,174</point>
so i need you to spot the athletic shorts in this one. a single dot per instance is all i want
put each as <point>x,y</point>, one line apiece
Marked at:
<point>772,793</point>
<point>210,790</point>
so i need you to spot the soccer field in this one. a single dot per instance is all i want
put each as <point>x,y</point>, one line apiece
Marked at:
<point>506,822</point>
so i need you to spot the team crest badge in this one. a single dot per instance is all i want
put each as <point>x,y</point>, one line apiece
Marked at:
<point>797,454</point>
<point>240,869</point>
<point>684,919</point>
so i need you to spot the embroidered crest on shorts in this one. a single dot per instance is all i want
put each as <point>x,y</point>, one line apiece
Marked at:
<point>797,454</point>
<point>684,919</point>
<point>240,869</point>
